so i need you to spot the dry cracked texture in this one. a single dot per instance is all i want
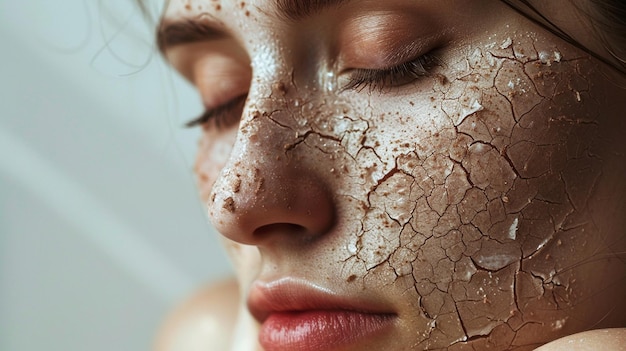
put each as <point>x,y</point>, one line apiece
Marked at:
<point>488,206</point>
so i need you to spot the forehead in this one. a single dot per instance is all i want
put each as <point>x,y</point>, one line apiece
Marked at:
<point>246,19</point>
<point>283,9</point>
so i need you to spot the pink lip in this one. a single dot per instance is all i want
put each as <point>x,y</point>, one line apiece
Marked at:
<point>298,315</point>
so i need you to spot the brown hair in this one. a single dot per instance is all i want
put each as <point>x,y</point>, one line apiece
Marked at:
<point>608,22</point>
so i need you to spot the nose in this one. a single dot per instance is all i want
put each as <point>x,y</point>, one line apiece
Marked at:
<point>267,192</point>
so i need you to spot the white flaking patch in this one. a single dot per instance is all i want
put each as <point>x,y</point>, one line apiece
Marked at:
<point>352,249</point>
<point>545,58</point>
<point>548,58</point>
<point>466,112</point>
<point>506,43</point>
<point>511,85</point>
<point>470,271</point>
<point>479,148</point>
<point>475,57</point>
<point>513,229</point>
<point>491,60</point>
<point>342,126</point>
<point>496,262</point>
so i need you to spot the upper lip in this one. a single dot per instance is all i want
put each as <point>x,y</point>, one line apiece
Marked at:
<point>292,295</point>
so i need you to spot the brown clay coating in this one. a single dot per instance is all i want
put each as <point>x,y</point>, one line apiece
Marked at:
<point>485,203</point>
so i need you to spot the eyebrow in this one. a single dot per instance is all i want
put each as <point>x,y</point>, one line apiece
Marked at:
<point>295,10</point>
<point>185,31</point>
<point>190,30</point>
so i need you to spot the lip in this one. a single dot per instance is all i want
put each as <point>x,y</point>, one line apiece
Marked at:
<point>298,315</point>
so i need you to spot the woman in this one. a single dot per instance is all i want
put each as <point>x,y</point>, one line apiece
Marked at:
<point>408,175</point>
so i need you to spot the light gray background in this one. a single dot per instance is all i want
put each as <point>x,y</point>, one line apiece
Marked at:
<point>101,230</point>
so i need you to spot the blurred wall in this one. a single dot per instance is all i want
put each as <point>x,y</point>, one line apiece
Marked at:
<point>101,230</point>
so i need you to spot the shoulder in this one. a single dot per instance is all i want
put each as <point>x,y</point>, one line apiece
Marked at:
<point>592,340</point>
<point>205,321</point>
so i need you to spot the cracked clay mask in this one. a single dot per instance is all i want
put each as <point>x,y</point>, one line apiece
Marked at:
<point>449,162</point>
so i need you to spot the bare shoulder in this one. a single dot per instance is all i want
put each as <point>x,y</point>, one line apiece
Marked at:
<point>592,340</point>
<point>203,322</point>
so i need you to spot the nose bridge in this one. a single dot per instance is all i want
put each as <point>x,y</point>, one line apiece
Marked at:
<point>264,188</point>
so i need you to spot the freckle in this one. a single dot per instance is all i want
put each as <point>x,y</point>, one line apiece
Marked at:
<point>280,87</point>
<point>218,7</point>
<point>237,185</point>
<point>188,7</point>
<point>441,79</point>
<point>229,205</point>
<point>351,278</point>
<point>247,13</point>
<point>260,181</point>
<point>412,103</point>
<point>242,4</point>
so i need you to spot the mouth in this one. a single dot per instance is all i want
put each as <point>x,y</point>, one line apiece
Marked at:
<point>298,315</point>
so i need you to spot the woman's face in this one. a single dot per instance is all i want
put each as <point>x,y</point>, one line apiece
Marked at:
<point>408,174</point>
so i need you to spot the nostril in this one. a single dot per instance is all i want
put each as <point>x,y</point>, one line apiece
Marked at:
<point>280,228</point>
<point>258,208</point>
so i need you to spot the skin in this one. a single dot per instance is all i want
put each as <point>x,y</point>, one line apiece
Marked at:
<point>482,203</point>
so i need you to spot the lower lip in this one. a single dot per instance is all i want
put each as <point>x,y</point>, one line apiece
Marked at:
<point>319,330</point>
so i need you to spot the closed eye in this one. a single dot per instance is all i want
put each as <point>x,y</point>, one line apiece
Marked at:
<point>223,116</point>
<point>395,76</point>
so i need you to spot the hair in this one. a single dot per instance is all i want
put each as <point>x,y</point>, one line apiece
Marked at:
<point>606,17</point>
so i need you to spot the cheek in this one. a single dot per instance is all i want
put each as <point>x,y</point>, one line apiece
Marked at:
<point>479,193</point>
<point>244,258</point>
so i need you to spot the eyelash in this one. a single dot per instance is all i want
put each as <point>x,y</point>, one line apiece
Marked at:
<point>222,116</point>
<point>395,76</point>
